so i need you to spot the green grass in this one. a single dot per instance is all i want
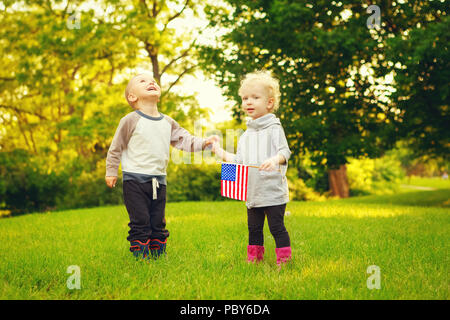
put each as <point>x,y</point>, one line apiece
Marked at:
<point>333,244</point>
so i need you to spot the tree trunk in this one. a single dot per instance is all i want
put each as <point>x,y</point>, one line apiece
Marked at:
<point>338,182</point>
<point>155,66</point>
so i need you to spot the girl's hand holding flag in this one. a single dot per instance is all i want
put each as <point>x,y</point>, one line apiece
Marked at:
<point>272,163</point>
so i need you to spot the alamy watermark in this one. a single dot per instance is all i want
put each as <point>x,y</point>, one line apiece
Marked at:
<point>374,280</point>
<point>74,19</point>
<point>375,19</point>
<point>74,280</point>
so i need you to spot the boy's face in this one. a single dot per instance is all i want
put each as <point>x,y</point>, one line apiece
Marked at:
<point>255,100</point>
<point>142,87</point>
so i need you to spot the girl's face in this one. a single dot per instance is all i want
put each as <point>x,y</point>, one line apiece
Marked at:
<point>255,100</point>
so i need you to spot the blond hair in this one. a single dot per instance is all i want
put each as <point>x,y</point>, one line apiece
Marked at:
<point>128,88</point>
<point>266,78</point>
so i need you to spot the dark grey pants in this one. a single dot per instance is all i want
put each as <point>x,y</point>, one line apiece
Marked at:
<point>275,218</point>
<point>147,216</point>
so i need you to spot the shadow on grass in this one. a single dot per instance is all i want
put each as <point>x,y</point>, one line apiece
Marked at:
<point>435,198</point>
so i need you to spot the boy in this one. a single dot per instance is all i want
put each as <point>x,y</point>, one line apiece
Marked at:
<point>141,143</point>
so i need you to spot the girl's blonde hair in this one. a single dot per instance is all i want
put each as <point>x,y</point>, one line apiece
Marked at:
<point>266,78</point>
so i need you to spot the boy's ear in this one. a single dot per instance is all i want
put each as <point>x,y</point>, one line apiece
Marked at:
<point>132,97</point>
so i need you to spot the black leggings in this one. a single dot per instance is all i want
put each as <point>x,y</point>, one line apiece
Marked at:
<point>275,218</point>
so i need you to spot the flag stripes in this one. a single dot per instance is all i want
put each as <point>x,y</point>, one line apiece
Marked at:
<point>234,181</point>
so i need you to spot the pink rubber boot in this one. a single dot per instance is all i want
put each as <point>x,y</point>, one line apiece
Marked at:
<point>255,253</point>
<point>283,255</point>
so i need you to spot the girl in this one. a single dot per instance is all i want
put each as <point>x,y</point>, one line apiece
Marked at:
<point>264,145</point>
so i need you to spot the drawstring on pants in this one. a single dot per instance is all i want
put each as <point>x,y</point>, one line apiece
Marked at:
<point>155,185</point>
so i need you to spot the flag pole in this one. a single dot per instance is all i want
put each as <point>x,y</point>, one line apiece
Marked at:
<point>279,170</point>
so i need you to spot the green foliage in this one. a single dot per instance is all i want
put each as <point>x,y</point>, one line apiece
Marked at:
<point>335,102</point>
<point>425,165</point>
<point>328,108</point>
<point>423,81</point>
<point>61,94</point>
<point>193,182</point>
<point>375,176</point>
<point>298,190</point>
<point>58,93</point>
<point>90,190</point>
<point>26,186</point>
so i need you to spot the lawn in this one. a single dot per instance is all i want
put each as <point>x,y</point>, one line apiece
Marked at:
<point>333,243</point>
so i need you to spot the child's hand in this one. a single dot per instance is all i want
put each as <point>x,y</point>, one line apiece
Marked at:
<point>215,147</point>
<point>111,181</point>
<point>211,140</point>
<point>270,164</point>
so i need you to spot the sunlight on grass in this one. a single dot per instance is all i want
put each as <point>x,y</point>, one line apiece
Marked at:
<point>317,269</point>
<point>352,211</point>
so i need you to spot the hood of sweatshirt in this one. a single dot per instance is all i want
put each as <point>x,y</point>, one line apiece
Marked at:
<point>263,122</point>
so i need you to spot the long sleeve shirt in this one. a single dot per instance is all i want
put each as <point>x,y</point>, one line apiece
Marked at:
<point>142,144</point>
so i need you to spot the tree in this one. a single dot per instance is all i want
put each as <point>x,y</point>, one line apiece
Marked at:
<point>152,24</point>
<point>62,89</point>
<point>55,77</point>
<point>422,76</point>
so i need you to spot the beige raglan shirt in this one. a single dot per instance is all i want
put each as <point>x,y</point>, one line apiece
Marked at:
<point>142,144</point>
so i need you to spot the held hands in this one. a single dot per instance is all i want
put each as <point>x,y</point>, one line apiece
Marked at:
<point>216,147</point>
<point>111,181</point>
<point>222,154</point>
<point>270,164</point>
<point>212,140</point>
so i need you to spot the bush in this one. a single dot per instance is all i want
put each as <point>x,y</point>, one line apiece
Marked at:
<point>298,190</point>
<point>88,189</point>
<point>374,176</point>
<point>193,182</point>
<point>26,186</point>
<point>414,165</point>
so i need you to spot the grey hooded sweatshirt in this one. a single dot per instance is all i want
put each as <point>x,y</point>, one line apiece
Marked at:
<point>264,139</point>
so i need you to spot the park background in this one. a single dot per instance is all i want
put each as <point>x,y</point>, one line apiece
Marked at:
<point>364,108</point>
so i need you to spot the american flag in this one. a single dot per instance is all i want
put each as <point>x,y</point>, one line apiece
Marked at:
<point>234,181</point>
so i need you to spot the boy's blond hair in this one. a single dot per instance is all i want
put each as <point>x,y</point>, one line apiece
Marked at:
<point>266,78</point>
<point>127,90</point>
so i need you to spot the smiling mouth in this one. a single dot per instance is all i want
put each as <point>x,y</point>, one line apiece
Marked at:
<point>151,89</point>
